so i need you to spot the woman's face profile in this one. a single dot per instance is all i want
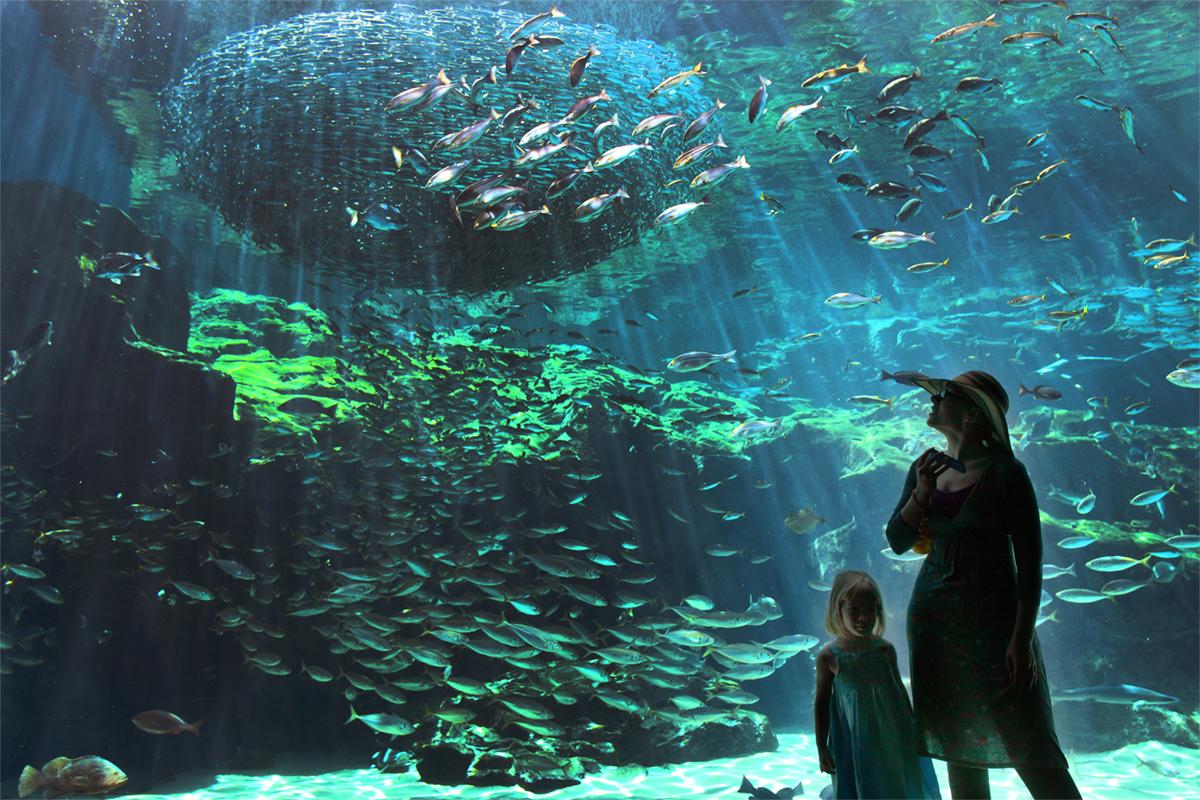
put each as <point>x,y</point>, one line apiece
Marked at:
<point>858,617</point>
<point>949,413</point>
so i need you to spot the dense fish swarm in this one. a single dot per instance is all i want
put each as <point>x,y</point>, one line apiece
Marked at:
<point>284,128</point>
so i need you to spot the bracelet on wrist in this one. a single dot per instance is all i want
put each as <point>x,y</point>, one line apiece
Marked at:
<point>924,508</point>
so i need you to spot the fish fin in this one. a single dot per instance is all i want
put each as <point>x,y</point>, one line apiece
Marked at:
<point>30,781</point>
<point>861,66</point>
<point>746,788</point>
<point>353,716</point>
<point>194,727</point>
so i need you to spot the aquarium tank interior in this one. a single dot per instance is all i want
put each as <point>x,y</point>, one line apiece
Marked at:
<point>481,400</point>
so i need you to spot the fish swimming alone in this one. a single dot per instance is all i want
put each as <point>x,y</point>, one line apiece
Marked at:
<point>851,300</point>
<point>894,240</point>
<point>696,360</point>
<point>1116,694</point>
<point>803,520</point>
<point>964,29</point>
<point>678,79</point>
<point>827,78</point>
<point>160,722</point>
<point>793,113</point>
<point>83,775</point>
<point>758,103</point>
<point>575,74</point>
<point>593,207</point>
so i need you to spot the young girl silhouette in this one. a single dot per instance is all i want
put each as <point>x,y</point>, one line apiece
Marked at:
<point>864,721</point>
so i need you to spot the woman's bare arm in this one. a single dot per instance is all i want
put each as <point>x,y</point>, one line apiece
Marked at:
<point>902,528</point>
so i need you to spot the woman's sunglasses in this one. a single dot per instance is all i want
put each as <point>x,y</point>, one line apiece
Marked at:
<point>946,391</point>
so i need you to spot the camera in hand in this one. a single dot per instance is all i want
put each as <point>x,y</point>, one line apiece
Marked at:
<point>953,463</point>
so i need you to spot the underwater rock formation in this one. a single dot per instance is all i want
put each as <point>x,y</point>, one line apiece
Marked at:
<point>98,391</point>
<point>283,128</point>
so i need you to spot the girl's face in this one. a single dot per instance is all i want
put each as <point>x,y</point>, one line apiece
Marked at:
<point>858,617</point>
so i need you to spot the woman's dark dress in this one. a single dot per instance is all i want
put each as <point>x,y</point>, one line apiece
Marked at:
<point>986,552</point>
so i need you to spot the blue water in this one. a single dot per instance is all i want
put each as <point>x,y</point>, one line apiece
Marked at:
<point>82,91</point>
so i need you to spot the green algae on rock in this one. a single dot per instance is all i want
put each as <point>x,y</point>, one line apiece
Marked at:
<point>277,353</point>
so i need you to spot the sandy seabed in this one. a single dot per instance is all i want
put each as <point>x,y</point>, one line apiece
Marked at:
<point>1117,775</point>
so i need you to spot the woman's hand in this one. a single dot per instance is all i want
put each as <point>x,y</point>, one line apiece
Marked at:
<point>826,759</point>
<point>1022,666</point>
<point>929,467</point>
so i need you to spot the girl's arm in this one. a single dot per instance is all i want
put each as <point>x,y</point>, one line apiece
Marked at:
<point>902,527</point>
<point>1025,528</point>
<point>824,692</point>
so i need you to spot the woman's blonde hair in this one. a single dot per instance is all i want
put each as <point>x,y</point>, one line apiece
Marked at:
<point>848,584</point>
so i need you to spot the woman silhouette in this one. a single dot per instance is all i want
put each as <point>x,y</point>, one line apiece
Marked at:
<point>980,696</point>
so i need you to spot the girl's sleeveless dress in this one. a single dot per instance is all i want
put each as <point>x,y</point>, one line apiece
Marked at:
<point>872,737</point>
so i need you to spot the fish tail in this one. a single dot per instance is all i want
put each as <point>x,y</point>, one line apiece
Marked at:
<point>353,716</point>
<point>30,781</point>
<point>699,66</point>
<point>1022,390</point>
<point>194,728</point>
<point>861,66</point>
<point>729,357</point>
<point>990,21</point>
<point>884,375</point>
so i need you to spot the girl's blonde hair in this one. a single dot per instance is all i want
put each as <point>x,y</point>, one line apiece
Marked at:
<point>849,584</point>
